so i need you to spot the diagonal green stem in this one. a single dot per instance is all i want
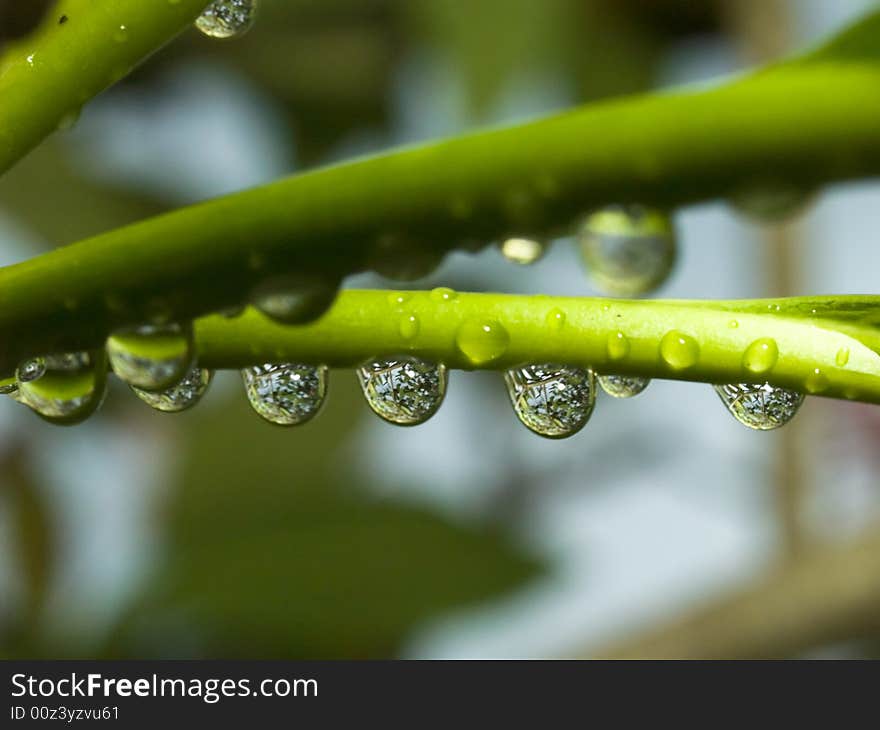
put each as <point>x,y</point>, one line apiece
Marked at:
<point>814,351</point>
<point>46,79</point>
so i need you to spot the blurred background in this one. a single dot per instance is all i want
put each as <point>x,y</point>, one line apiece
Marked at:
<point>663,529</point>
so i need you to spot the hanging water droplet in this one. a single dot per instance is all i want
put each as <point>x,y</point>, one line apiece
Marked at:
<point>523,251</point>
<point>295,299</point>
<point>771,202</point>
<point>180,396</point>
<point>628,250</point>
<point>760,406</point>
<point>679,351</point>
<point>816,382</point>
<point>554,401</point>
<point>8,386</point>
<point>227,18</point>
<point>287,394</point>
<point>443,294</point>
<point>760,357</point>
<point>404,391</point>
<point>623,386</point>
<point>151,357</point>
<point>400,258</point>
<point>64,389</point>
<point>409,326</point>
<point>482,341</point>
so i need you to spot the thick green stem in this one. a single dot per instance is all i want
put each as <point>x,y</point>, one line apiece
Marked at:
<point>46,79</point>
<point>714,342</point>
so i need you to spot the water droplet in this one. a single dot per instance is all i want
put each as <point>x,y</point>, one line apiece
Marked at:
<point>556,319</point>
<point>522,251</point>
<point>151,357</point>
<point>816,382</point>
<point>482,341</point>
<point>295,299</point>
<point>184,394</point>
<point>623,386</point>
<point>8,386</point>
<point>409,326</point>
<point>760,357</point>
<point>397,298</point>
<point>287,394</point>
<point>628,250</point>
<point>227,18</point>
<point>617,346</point>
<point>30,369</point>
<point>120,35</point>
<point>679,351</point>
<point>771,202</point>
<point>733,324</point>
<point>442,294</point>
<point>842,357</point>
<point>554,401</point>
<point>404,391</point>
<point>400,258</point>
<point>760,406</point>
<point>65,388</point>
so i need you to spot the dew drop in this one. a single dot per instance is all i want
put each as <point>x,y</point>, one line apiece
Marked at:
<point>287,394</point>
<point>523,251</point>
<point>8,386</point>
<point>404,391</point>
<point>400,258</point>
<point>771,202</point>
<point>409,326</point>
<point>760,357</point>
<point>120,35</point>
<point>733,324</point>
<point>482,341</point>
<point>762,407</point>
<point>554,401</point>
<point>65,388</point>
<point>180,396</point>
<point>628,250</point>
<point>555,319</point>
<point>679,351</point>
<point>617,346</point>
<point>227,18</point>
<point>442,294</point>
<point>816,382</point>
<point>623,386</point>
<point>397,298</point>
<point>842,357</point>
<point>151,357</point>
<point>295,299</point>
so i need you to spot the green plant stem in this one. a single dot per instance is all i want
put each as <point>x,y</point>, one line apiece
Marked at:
<point>364,324</point>
<point>46,78</point>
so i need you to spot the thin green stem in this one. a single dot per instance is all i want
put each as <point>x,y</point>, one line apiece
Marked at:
<point>46,78</point>
<point>795,343</point>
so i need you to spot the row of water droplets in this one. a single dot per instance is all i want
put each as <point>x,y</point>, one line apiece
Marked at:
<point>629,251</point>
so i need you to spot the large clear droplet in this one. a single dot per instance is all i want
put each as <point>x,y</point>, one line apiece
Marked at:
<point>552,400</point>
<point>151,357</point>
<point>628,250</point>
<point>295,299</point>
<point>227,18</point>
<point>762,407</point>
<point>64,389</point>
<point>286,394</point>
<point>180,396</point>
<point>623,386</point>
<point>404,391</point>
<point>771,202</point>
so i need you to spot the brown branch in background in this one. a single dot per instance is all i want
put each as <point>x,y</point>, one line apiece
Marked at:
<point>821,598</point>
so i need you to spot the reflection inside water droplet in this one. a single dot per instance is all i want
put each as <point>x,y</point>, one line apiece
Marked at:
<point>623,386</point>
<point>180,396</point>
<point>552,400</point>
<point>760,406</point>
<point>628,250</point>
<point>227,18</point>
<point>404,391</point>
<point>287,394</point>
<point>151,357</point>
<point>522,251</point>
<point>63,388</point>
